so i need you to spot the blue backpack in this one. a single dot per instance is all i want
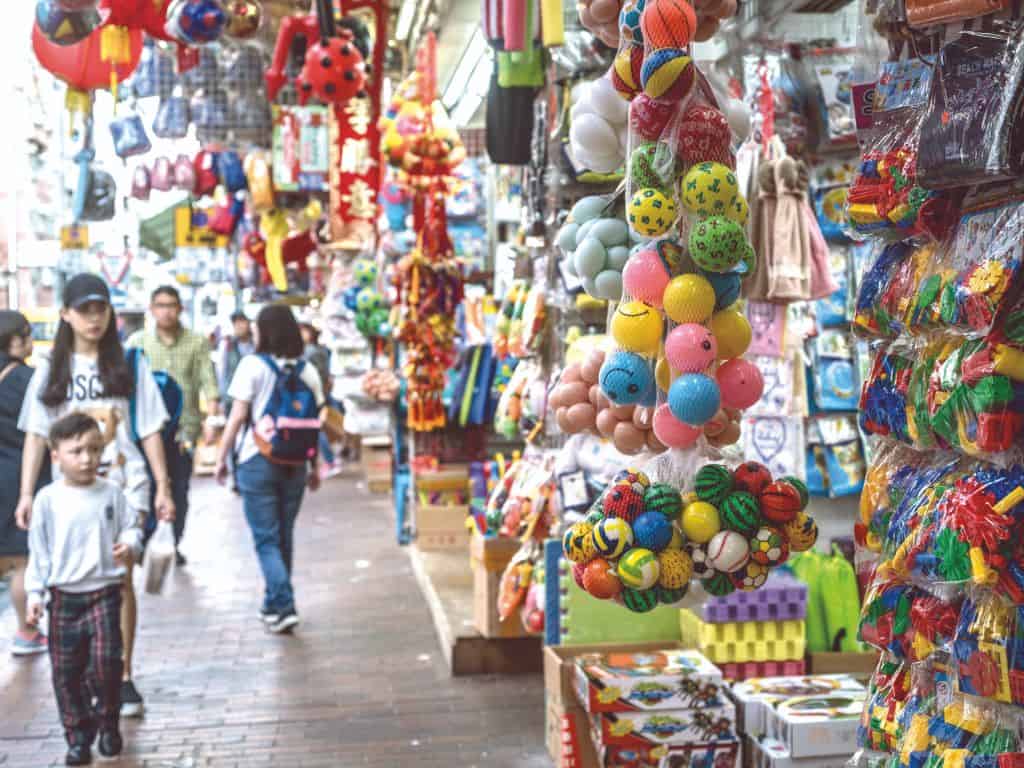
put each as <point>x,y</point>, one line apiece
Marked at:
<point>170,391</point>
<point>288,432</point>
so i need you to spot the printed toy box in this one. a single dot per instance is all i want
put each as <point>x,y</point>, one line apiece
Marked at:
<point>754,697</point>
<point>719,755</point>
<point>655,680</point>
<point>769,753</point>
<point>817,726</point>
<point>646,730</point>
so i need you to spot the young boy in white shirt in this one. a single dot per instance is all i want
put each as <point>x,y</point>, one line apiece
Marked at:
<point>83,535</point>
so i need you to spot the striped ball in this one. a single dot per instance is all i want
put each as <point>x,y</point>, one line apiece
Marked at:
<point>668,596</point>
<point>752,477</point>
<point>801,488</point>
<point>612,537</point>
<point>667,73</point>
<point>780,502</point>
<point>741,512</point>
<point>719,585</point>
<point>578,543</point>
<point>640,600</point>
<point>639,568</point>
<point>663,498</point>
<point>714,482</point>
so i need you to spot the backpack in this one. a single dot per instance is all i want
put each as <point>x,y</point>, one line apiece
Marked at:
<point>170,391</point>
<point>288,432</point>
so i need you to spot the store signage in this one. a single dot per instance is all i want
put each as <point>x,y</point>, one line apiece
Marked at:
<point>301,149</point>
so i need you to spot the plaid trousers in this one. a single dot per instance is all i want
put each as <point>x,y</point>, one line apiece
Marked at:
<point>85,656</point>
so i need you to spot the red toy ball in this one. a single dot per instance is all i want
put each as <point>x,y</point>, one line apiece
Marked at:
<point>334,71</point>
<point>622,501</point>
<point>780,502</point>
<point>577,574</point>
<point>600,579</point>
<point>626,71</point>
<point>648,117</point>
<point>752,477</point>
<point>705,136</point>
<point>668,23</point>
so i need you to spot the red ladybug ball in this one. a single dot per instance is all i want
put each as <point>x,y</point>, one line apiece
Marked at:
<point>622,501</point>
<point>780,502</point>
<point>752,477</point>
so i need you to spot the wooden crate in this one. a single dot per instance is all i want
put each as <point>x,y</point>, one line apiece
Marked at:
<point>441,527</point>
<point>490,556</point>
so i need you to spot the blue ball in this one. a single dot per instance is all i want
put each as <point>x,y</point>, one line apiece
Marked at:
<point>726,285</point>
<point>652,530</point>
<point>694,398</point>
<point>627,379</point>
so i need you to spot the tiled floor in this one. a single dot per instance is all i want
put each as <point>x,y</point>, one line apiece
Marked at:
<point>360,683</point>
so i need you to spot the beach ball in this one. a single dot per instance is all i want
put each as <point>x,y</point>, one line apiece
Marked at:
<point>652,531</point>
<point>751,576</point>
<point>694,398</point>
<point>636,327</point>
<point>689,299</point>
<point>668,74</point>
<point>646,276</point>
<point>652,164</point>
<point>732,333</point>
<point>717,244</point>
<point>727,287</point>
<point>639,568</point>
<point>578,543</point>
<point>612,537</point>
<point>801,532</point>
<point>690,348</point>
<point>670,431</point>
<point>668,23</point>
<point>600,579</point>
<point>700,522</point>
<point>626,378</point>
<point>752,477</point>
<point>740,382</point>
<point>708,189</point>
<point>651,212</point>
<point>676,568</point>
<point>769,547</point>
<point>728,551</point>
<point>713,483</point>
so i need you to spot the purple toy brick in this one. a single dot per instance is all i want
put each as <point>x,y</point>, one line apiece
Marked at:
<point>780,599</point>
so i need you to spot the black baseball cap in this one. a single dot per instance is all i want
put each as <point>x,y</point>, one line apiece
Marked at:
<point>83,288</point>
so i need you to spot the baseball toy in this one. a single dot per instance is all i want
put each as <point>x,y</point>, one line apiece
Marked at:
<point>578,543</point>
<point>672,432</point>
<point>717,244</point>
<point>626,379</point>
<point>640,600</point>
<point>732,333</point>
<point>752,477</point>
<point>694,398</point>
<point>624,502</point>
<point>636,327</point>
<point>668,23</point>
<point>651,212</point>
<point>639,568</point>
<point>708,189</point>
<point>690,348</point>
<point>801,532</point>
<point>701,522</point>
<point>600,580</point>
<point>612,537</point>
<point>713,483</point>
<point>740,512</point>
<point>769,546</point>
<point>750,577</point>
<point>676,569</point>
<point>728,551</point>
<point>652,531</point>
<point>689,299</point>
<point>668,74</point>
<point>780,502</point>
<point>740,382</point>
<point>664,499</point>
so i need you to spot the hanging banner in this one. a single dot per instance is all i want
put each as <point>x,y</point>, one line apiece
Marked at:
<point>355,167</point>
<point>300,149</point>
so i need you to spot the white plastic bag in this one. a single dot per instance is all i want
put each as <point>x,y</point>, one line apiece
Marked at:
<point>159,557</point>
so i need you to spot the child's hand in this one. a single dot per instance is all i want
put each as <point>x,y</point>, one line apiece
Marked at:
<point>313,478</point>
<point>34,614</point>
<point>123,555</point>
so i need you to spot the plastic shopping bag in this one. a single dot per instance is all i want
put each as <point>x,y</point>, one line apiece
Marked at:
<point>159,557</point>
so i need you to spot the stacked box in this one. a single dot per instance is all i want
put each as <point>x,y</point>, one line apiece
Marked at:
<point>756,697</point>
<point>770,753</point>
<point>818,726</point>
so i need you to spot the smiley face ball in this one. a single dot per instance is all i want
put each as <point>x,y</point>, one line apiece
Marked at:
<point>651,212</point>
<point>645,277</point>
<point>626,378</point>
<point>717,244</point>
<point>708,189</point>
<point>636,327</point>
<point>639,568</point>
<point>690,348</point>
<point>612,537</point>
<point>689,299</point>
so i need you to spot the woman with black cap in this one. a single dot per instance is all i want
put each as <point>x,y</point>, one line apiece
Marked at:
<point>15,348</point>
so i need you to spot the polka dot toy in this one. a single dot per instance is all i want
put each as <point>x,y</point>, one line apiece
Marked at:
<point>626,378</point>
<point>636,327</point>
<point>600,579</point>
<point>716,244</point>
<point>769,546</point>
<point>676,569</point>
<point>668,23</point>
<point>732,333</point>
<point>741,512</point>
<point>578,543</point>
<point>701,522</point>
<point>668,596</point>
<point>708,189</point>
<point>639,568</point>
<point>623,502</point>
<point>718,584</point>
<point>713,483</point>
<point>690,348</point>
<point>612,537</point>
<point>652,531</point>
<point>740,382</point>
<point>752,477</point>
<point>667,73</point>
<point>704,135</point>
<point>652,164</point>
<point>689,299</point>
<point>663,499</point>
<point>780,502</point>
<point>728,551</point>
<point>750,577</point>
<point>651,212</point>
<point>640,600</point>
<point>694,398</point>
<point>738,210</point>
<point>801,532</point>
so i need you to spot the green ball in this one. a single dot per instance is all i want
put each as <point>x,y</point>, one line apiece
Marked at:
<point>663,498</point>
<point>714,483</point>
<point>717,244</point>
<point>640,600</point>
<point>801,488</point>
<point>719,585</point>
<point>741,513</point>
<point>668,596</point>
<point>652,164</point>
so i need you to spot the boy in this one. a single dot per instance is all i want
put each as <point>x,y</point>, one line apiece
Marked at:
<point>82,537</point>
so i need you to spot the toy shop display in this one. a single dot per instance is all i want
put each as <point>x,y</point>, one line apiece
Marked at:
<point>598,135</point>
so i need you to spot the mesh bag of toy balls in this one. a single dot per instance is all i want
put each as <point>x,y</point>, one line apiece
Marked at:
<point>595,243</point>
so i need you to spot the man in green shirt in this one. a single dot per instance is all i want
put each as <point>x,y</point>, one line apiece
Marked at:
<point>184,356</point>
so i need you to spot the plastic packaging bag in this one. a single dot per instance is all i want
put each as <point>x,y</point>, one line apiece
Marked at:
<point>159,557</point>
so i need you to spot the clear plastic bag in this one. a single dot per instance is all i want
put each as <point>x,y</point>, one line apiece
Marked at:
<point>159,557</point>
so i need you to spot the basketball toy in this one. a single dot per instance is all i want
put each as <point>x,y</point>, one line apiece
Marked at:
<point>704,135</point>
<point>716,244</point>
<point>633,478</point>
<point>623,502</point>
<point>630,29</point>
<point>676,568</point>
<point>701,523</point>
<point>668,74</point>
<point>670,431</point>
<point>780,502</point>
<point>627,379</point>
<point>648,118</point>
<point>600,580</point>
<point>752,477</point>
<point>663,499</point>
<point>689,299</point>
<point>694,398</point>
<point>718,584</point>
<point>801,532</point>
<point>612,537</point>
<point>769,547</point>
<point>626,70</point>
<point>713,483</point>
<point>732,333</point>
<point>708,188</point>
<point>639,569</point>
<point>640,600</point>
<point>652,531</point>
<point>668,596</point>
<point>645,277</point>
<point>653,164</point>
<point>578,543</point>
<point>690,348</point>
<point>699,559</point>
<point>728,551</point>
<point>740,382</point>
<point>750,577</point>
<point>738,210</point>
<point>668,23</point>
<point>727,288</point>
<point>740,512</point>
<point>801,488</point>
<point>577,574</point>
<point>636,327</point>
<point>651,212</point>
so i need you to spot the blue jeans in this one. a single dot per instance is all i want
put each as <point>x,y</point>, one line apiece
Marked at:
<point>271,496</point>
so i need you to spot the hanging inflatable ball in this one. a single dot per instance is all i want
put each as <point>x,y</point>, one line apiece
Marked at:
<point>750,577</point>
<point>694,398</point>
<point>732,333</point>
<point>700,522</point>
<point>801,532</point>
<point>727,287</point>
<point>740,382</point>
<point>676,569</point>
<point>801,488</point>
<point>768,546</point>
<point>652,164</point>
<point>716,244</point>
<point>719,585</point>
<point>667,74</point>
<point>713,483</point>
<point>623,502</point>
<point>578,543</point>
<point>639,568</point>
<point>640,600</point>
<point>752,477</point>
<point>627,379</point>
<point>652,531</point>
<point>612,537</point>
<point>728,551</point>
<point>689,299</point>
<point>668,596</point>
<point>600,579</point>
<point>780,502</point>
<point>664,499</point>
<point>690,348</point>
<point>626,71</point>
<point>668,23</point>
<point>708,189</point>
<point>651,212</point>
<point>738,210</point>
<point>740,512</point>
<point>704,136</point>
<point>645,277</point>
<point>636,327</point>
<point>670,431</point>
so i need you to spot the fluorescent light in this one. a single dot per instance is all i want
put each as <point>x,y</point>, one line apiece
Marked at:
<point>471,55</point>
<point>405,18</point>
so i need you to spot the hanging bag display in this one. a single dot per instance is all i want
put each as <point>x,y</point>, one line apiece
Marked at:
<point>172,118</point>
<point>129,136</point>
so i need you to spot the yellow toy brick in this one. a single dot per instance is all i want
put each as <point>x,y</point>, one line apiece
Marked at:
<point>743,641</point>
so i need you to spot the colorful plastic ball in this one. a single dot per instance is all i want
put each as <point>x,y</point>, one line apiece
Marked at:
<point>676,569</point>
<point>728,551</point>
<point>652,531</point>
<point>716,244</point>
<point>732,333</point>
<point>624,502</point>
<point>801,488</point>
<point>630,28</point>
<point>668,596</point>
<point>663,499</point>
<point>704,135</point>
<point>701,522</point>
<point>750,577</point>
<point>640,600</point>
<point>740,382</point>
<point>727,287</point>
<point>577,573</point>
<point>718,584</point>
<point>802,532</point>
<point>636,327</point>
<point>768,546</point>
<point>708,189</point>
<point>649,118</point>
<point>639,568</point>
<point>699,557</point>
<point>626,378</point>
<point>365,272</point>
<point>738,210</point>
<point>780,502</point>
<point>672,432</point>
<point>652,164</point>
<point>578,543</point>
<point>694,398</point>
<point>690,348</point>
<point>651,212</point>
<point>626,70</point>
<point>667,73</point>
<point>663,374</point>
<point>741,513</point>
<point>632,478</point>
<point>612,537</point>
<point>668,23</point>
<point>595,514</point>
<point>601,580</point>
<point>645,277</point>
<point>713,483</point>
<point>752,477</point>
<point>689,299</point>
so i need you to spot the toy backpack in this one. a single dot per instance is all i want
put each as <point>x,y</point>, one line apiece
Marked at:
<point>170,392</point>
<point>288,432</point>
<point>129,136</point>
<point>172,118</point>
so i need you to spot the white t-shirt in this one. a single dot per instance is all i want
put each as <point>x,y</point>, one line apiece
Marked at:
<point>254,382</point>
<point>122,462</point>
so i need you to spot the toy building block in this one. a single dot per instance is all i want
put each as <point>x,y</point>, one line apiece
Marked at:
<point>780,599</point>
<point>744,671</point>
<point>744,641</point>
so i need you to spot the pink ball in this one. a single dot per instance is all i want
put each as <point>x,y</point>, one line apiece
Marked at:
<point>691,348</point>
<point>740,382</point>
<point>645,277</point>
<point>670,431</point>
<point>649,117</point>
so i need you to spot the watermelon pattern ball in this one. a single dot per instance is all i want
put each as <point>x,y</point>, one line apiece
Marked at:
<point>741,513</point>
<point>714,483</point>
<point>717,244</point>
<point>668,596</point>
<point>640,600</point>
<point>652,531</point>
<point>780,502</point>
<point>665,499</point>
<point>719,585</point>
<point>752,477</point>
<point>801,488</point>
<point>625,502</point>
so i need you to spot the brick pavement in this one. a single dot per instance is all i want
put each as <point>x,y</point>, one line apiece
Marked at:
<point>361,683</point>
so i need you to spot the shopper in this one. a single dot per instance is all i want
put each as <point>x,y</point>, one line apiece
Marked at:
<point>87,371</point>
<point>319,356</point>
<point>15,348</point>
<point>83,538</point>
<point>184,356</point>
<point>232,349</point>
<point>271,491</point>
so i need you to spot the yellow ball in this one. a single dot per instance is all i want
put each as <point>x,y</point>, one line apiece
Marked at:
<point>676,568</point>
<point>578,543</point>
<point>689,299</point>
<point>701,522</point>
<point>636,327</point>
<point>732,333</point>
<point>663,374</point>
<point>738,210</point>
<point>651,212</point>
<point>639,568</point>
<point>709,189</point>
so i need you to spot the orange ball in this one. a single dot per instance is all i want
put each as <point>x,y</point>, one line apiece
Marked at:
<point>600,579</point>
<point>668,23</point>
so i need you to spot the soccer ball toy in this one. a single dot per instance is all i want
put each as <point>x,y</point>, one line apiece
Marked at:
<point>769,547</point>
<point>750,577</point>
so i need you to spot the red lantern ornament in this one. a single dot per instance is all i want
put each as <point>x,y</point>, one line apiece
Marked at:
<point>149,16</point>
<point>81,65</point>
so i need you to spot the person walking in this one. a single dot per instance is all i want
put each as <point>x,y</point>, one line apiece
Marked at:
<point>271,489</point>
<point>87,371</point>
<point>184,356</point>
<point>232,349</point>
<point>15,348</point>
<point>83,538</point>
<point>319,356</point>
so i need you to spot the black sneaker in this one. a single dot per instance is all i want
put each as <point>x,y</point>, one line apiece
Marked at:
<point>268,617</point>
<point>131,701</point>
<point>110,744</point>
<point>78,754</point>
<point>179,559</point>
<point>285,623</point>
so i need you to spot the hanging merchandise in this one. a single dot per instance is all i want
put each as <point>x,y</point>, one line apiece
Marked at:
<point>65,27</point>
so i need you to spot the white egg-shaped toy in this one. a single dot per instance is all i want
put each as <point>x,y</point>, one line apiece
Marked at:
<point>589,286</point>
<point>617,257</point>
<point>567,236</point>
<point>594,134</point>
<point>590,258</point>
<point>598,163</point>
<point>609,285</point>
<point>610,232</point>
<point>587,208</point>
<point>607,102</point>
<point>584,231</point>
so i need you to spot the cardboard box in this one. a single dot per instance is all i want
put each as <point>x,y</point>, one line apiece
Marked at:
<point>818,726</point>
<point>719,755</point>
<point>756,696</point>
<point>490,556</point>
<point>666,679</point>
<point>560,666</point>
<point>769,753</point>
<point>647,730</point>
<point>441,527</point>
<point>861,664</point>
<point>580,753</point>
